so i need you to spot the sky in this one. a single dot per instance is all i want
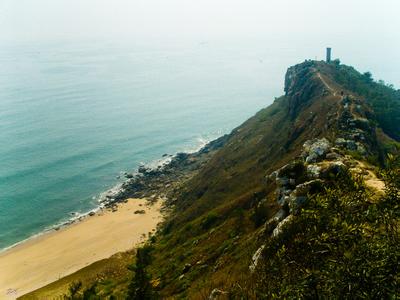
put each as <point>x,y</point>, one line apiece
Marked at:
<point>25,20</point>
<point>365,33</point>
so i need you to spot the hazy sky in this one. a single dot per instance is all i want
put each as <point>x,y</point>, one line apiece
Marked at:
<point>201,19</point>
<point>363,33</point>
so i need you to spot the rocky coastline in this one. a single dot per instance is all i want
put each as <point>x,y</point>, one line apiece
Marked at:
<point>163,181</point>
<point>160,182</point>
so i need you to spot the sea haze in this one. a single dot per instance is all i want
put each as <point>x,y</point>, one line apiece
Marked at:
<point>74,116</point>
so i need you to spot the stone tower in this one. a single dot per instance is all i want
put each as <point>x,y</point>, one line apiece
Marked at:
<point>328,54</point>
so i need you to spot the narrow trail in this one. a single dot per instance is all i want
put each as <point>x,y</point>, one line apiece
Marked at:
<point>333,91</point>
<point>370,178</point>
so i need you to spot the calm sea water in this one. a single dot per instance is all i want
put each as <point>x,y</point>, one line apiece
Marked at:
<point>73,116</point>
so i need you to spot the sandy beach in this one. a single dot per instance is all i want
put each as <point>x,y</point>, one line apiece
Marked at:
<point>42,260</point>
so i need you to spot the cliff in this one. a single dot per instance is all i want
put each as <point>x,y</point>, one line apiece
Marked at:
<point>331,123</point>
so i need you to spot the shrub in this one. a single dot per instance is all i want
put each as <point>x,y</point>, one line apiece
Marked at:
<point>260,214</point>
<point>209,220</point>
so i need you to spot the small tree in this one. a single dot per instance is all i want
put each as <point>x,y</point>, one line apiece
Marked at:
<point>140,286</point>
<point>368,76</point>
<point>73,290</point>
<point>76,292</point>
<point>336,62</point>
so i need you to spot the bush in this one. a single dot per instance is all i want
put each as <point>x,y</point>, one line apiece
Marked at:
<point>209,220</point>
<point>260,214</point>
<point>77,293</point>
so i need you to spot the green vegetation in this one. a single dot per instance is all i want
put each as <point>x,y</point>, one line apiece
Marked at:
<point>383,98</point>
<point>111,276</point>
<point>209,220</point>
<point>77,293</point>
<point>343,245</point>
<point>140,287</point>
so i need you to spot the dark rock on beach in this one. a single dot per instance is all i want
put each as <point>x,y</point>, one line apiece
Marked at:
<point>164,181</point>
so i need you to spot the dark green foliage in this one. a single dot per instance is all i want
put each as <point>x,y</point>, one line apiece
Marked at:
<point>90,293</point>
<point>140,287</point>
<point>367,77</point>
<point>239,220</point>
<point>76,292</point>
<point>74,288</point>
<point>383,98</point>
<point>343,245</point>
<point>260,214</point>
<point>209,220</point>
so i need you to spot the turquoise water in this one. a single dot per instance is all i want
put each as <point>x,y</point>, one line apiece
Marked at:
<point>74,116</point>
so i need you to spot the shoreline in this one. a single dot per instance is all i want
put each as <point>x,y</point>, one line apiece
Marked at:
<point>149,185</point>
<point>111,196</point>
<point>56,254</point>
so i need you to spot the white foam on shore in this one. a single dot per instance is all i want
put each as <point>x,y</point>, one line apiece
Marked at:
<point>111,193</point>
<point>76,218</point>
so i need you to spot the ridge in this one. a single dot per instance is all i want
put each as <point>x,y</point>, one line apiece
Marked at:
<point>253,194</point>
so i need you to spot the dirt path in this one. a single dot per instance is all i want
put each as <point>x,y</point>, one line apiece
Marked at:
<point>332,90</point>
<point>370,178</point>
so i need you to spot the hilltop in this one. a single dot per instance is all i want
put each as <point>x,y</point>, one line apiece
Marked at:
<point>328,137</point>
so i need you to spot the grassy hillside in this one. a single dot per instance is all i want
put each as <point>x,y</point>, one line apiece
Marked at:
<point>220,216</point>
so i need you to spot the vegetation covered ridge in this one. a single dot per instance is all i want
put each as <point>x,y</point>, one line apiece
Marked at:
<point>300,201</point>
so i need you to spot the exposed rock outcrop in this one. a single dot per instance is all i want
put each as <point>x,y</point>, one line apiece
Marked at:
<point>216,294</point>
<point>315,150</point>
<point>304,176</point>
<point>255,258</point>
<point>280,227</point>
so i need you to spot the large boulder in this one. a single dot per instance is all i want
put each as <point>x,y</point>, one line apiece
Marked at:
<point>316,149</point>
<point>271,224</point>
<point>332,169</point>
<point>299,196</point>
<point>288,175</point>
<point>291,170</point>
<point>280,227</point>
<point>313,171</point>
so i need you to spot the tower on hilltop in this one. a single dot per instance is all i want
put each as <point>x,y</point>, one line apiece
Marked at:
<point>328,54</point>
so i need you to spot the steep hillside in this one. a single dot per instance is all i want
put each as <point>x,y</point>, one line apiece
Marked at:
<point>225,216</point>
<point>314,106</point>
<point>218,213</point>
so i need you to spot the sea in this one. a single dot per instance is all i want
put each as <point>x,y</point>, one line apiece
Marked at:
<point>74,116</point>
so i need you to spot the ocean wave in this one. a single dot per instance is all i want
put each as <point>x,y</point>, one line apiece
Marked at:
<point>109,195</point>
<point>77,216</point>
